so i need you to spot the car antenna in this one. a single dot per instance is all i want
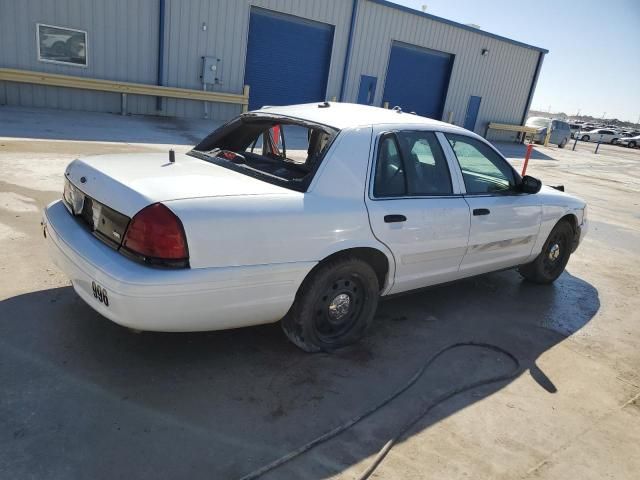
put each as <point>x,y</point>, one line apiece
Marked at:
<point>172,156</point>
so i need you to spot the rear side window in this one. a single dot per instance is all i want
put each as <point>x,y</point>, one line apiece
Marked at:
<point>390,176</point>
<point>426,165</point>
<point>411,163</point>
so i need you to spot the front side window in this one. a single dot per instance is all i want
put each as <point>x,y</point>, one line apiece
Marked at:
<point>483,170</point>
<point>62,45</point>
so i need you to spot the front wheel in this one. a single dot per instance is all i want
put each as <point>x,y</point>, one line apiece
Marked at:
<point>614,141</point>
<point>563,143</point>
<point>551,262</point>
<point>585,138</point>
<point>334,306</point>
<point>632,144</point>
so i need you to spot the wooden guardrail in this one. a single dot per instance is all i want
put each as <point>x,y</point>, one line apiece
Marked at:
<point>510,128</point>
<point>124,88</point>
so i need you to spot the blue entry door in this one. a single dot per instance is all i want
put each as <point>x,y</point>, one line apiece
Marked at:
<point>473,107</point>
<point>288,59</point>
<point>367,90</point>
<point>417,79</point>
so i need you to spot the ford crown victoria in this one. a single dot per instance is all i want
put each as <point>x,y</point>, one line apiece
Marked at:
<point>306,215</point>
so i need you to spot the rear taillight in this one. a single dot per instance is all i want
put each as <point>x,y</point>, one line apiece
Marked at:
<point>156,236</point>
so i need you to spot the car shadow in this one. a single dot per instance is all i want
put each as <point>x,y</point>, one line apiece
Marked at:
<point>83,397</point>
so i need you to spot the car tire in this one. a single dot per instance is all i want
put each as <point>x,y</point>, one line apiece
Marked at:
<point>553,258</point>
<point>585,138</point>
<point>632,144</point>
<point>564,141</point>
<point>614,141</point>
<point>334,306</point>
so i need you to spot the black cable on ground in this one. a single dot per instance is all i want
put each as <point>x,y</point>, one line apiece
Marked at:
<point>427,408</point>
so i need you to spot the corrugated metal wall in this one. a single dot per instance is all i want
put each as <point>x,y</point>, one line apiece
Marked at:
<point>502,78</point>
<point>226,37</point>
<point>123,45</point>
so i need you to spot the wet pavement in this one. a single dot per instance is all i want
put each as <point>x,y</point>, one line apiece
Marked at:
<point>81,397</point>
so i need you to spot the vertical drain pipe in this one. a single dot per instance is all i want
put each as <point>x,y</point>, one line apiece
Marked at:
<point>161,21</point>
<point>345,70</point>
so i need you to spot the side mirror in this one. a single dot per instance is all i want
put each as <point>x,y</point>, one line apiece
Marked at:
<point>530,184</point>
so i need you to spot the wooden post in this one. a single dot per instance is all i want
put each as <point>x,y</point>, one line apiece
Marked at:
<point>547,136</point>
<point>245,93</point>
<point>385,105</point>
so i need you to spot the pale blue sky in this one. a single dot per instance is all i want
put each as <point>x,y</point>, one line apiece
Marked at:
<point>593,62</point>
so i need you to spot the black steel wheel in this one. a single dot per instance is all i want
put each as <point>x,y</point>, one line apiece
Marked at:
<point>334,307</point>
<point>553,258</point>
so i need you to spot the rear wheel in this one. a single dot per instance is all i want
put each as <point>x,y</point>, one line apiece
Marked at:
<point>334,306</point>
<point>551,262</point>
<point>632,144</point>
<point>563,142</point>
<point>614,141</point>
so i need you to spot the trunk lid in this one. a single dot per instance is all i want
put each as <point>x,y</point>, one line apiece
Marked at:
<point>127,183</point>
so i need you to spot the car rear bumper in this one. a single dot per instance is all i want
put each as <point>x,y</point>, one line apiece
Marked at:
<point>147,298</point>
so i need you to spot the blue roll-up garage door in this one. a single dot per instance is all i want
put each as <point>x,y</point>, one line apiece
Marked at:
<point>417,79</point>
<point>288,59</point>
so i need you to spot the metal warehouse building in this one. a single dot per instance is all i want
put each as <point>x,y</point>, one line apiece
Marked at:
<point>365,51</point>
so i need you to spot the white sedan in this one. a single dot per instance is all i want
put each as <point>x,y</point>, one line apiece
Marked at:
<point>305,214</point>
<point>603,135</point>
<point>631,142</point>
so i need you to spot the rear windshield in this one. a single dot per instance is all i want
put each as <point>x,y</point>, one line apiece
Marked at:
<point>280,150</point>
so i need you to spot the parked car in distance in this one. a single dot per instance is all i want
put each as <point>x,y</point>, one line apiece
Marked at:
<point>560,130</point>
<point>631,142</point>
<point>603,135</point>
<point>305,214</point>
<point>575,128</point>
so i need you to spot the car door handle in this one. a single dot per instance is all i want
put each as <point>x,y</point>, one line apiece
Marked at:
<point>394,218</point>
<point>481,211</point>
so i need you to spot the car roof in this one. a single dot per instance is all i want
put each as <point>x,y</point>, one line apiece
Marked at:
<point>351,115</point>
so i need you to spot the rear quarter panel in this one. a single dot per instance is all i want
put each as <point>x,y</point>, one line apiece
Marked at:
<point>291,227</point>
